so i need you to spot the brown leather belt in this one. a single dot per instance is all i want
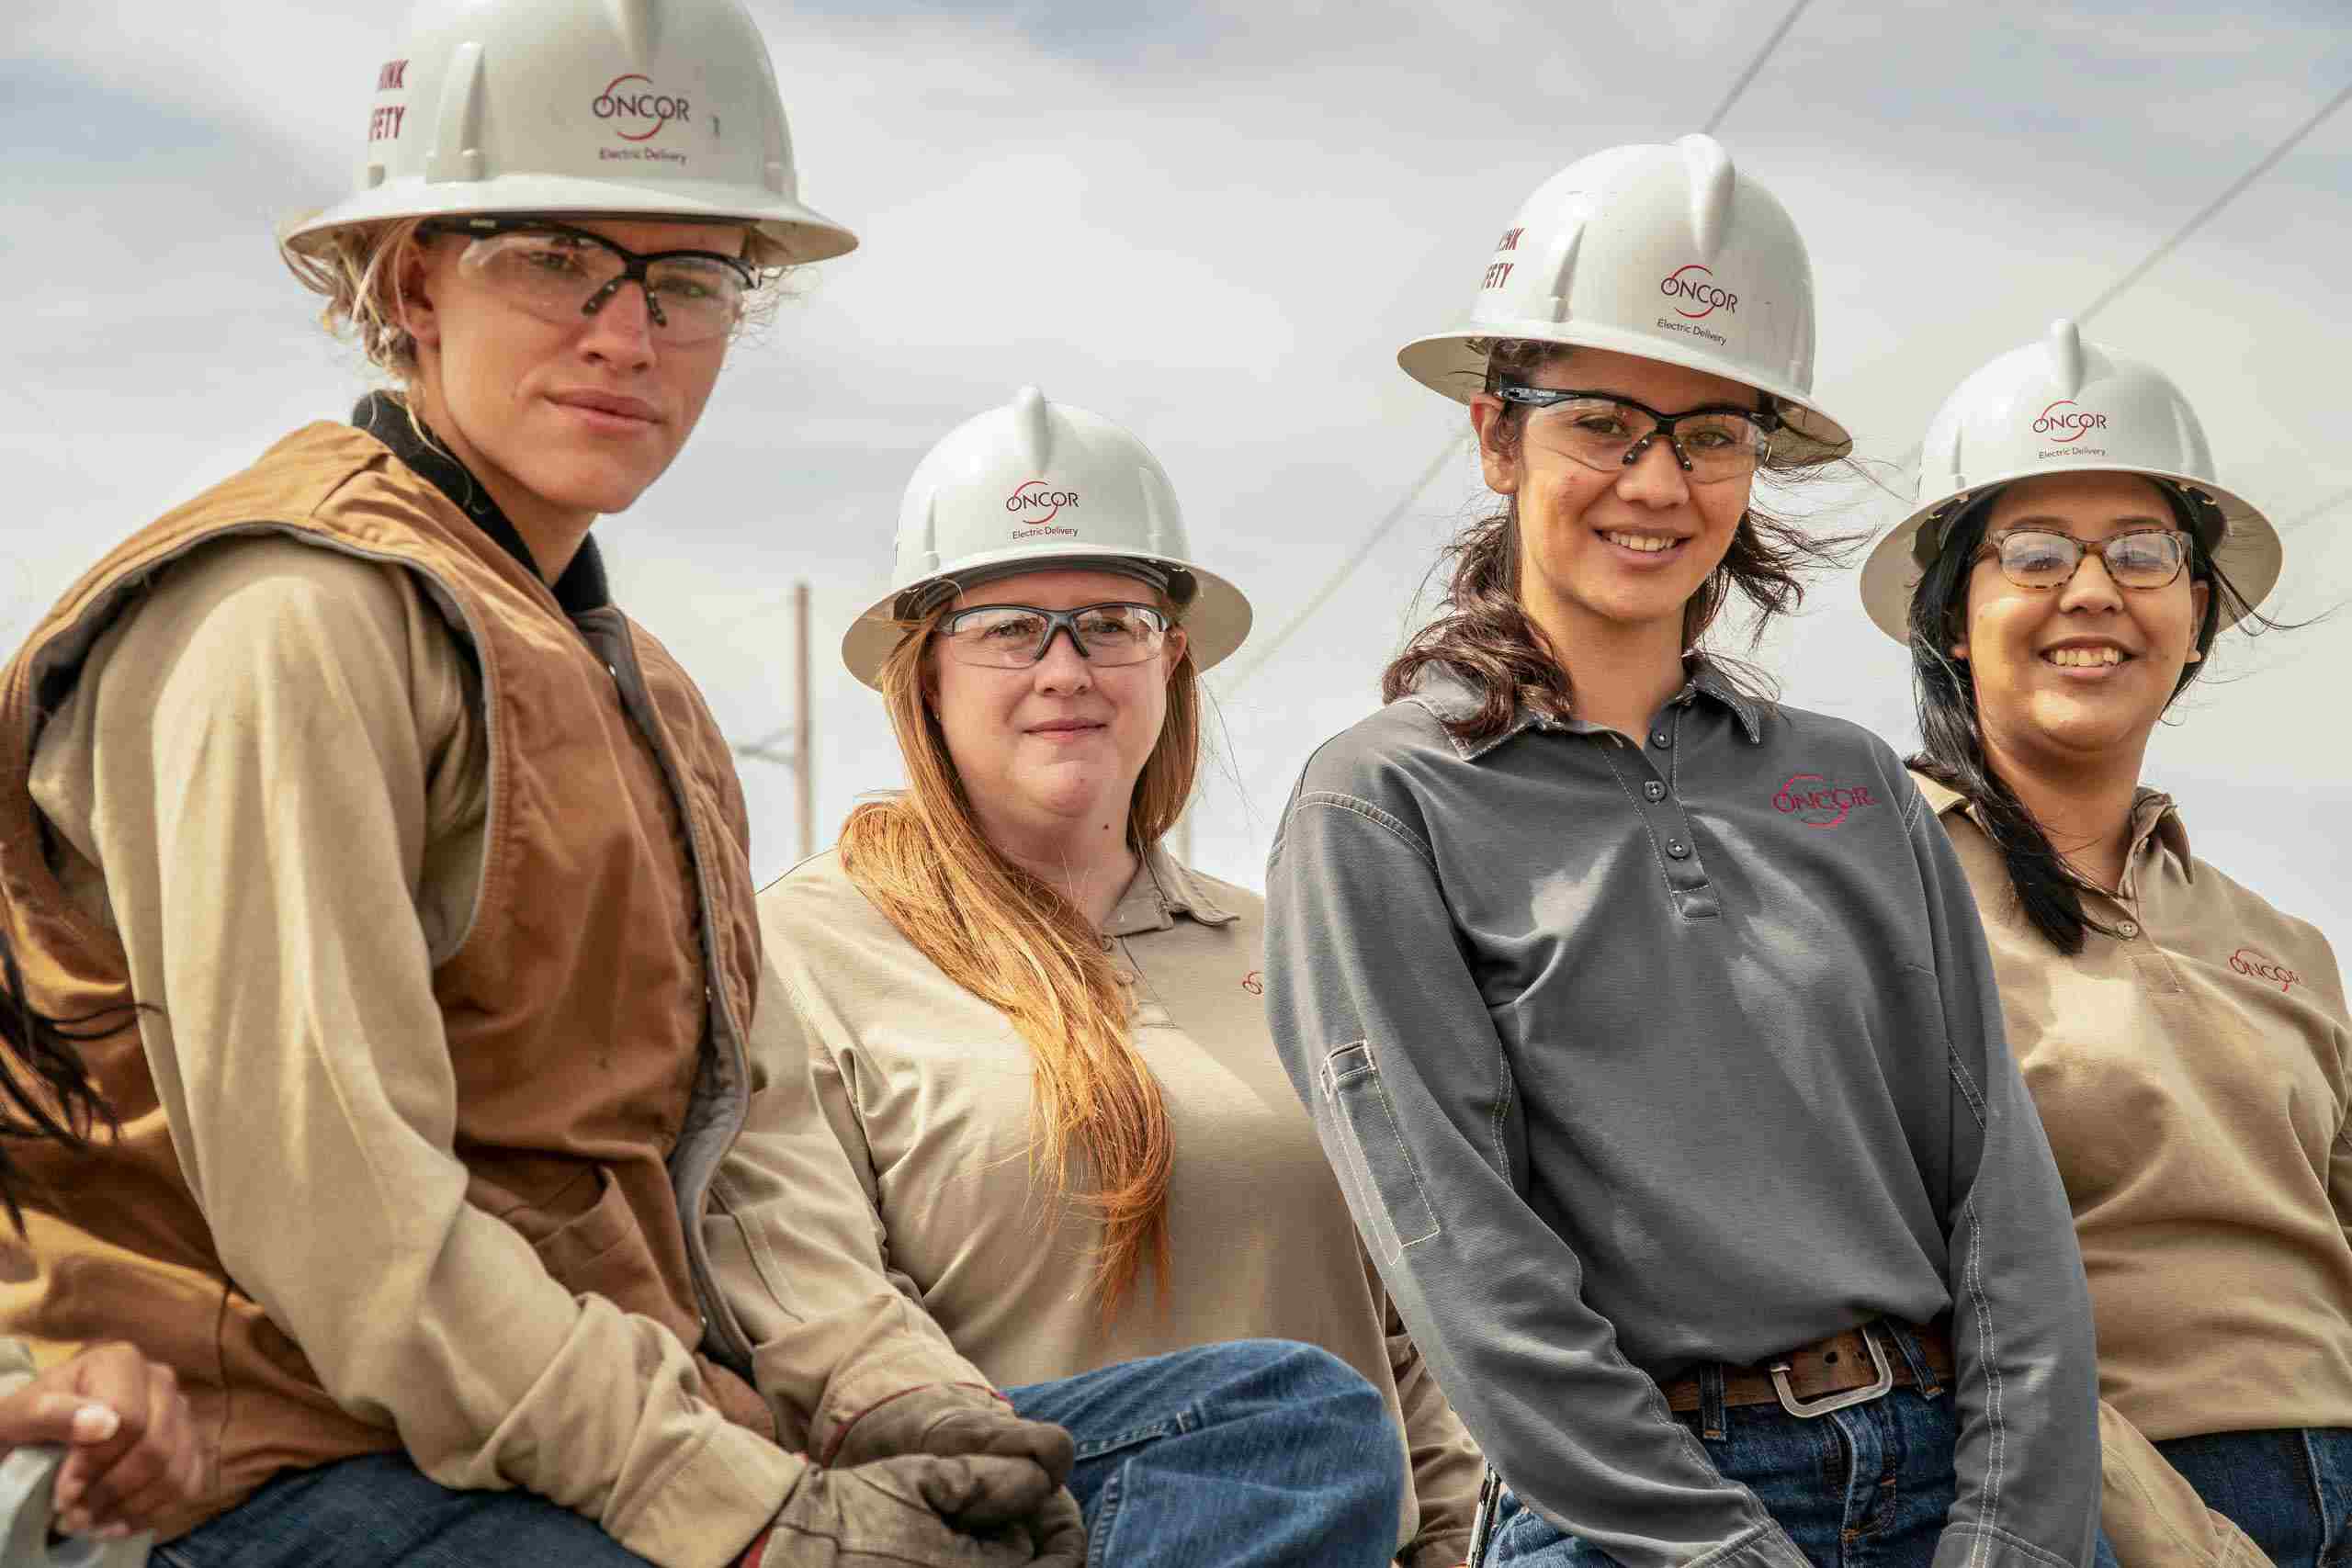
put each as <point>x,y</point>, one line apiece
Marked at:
<point>1852,1368</point>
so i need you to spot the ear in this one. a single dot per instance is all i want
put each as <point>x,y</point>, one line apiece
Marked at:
<point>2198,592</point>
<point>1171,652</point>
<point>1500,468</point>
<point>411,299</point>
<point>1960,651</point>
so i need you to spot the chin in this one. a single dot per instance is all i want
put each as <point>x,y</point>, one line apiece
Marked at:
<point>590,486</point>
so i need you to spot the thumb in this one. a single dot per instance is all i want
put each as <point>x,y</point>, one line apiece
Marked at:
<point>49,1417</point>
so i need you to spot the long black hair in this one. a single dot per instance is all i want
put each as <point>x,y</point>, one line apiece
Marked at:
<point>45,1087</point>
<point>1952,731</point>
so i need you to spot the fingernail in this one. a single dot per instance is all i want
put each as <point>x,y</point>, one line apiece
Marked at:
<point>94,1424</point>
<point>114,1532</point>
<point>73,1521</point>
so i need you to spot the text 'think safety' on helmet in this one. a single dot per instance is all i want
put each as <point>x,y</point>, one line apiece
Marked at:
<point>612,108</point>
<point>1666,253</point>
<point>1031,486</point>
<point>2058,406</point>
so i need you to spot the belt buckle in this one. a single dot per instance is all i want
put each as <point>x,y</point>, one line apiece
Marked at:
<point>1807,1410</point>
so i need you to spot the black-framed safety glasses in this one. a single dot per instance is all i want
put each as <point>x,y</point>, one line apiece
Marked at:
<point>559,273</point>
<point>1013,637</point>
<point>2142,559</point>
<point>1604,430</point>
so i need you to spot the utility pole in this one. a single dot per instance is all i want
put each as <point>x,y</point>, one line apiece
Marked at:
<point>800,753</point>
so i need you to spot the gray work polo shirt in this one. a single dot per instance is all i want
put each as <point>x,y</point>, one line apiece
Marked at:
<point>1639,1051</point>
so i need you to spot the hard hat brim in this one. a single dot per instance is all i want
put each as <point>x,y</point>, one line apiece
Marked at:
<point>2250,552</point>
<point>793,233</point>
<point>1215,623</point>
<point>1445,362</point>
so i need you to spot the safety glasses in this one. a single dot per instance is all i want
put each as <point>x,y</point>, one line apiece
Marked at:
<point>560,273</point>
<point>1606,431</point>
<point>1013,637</point>
<point>2044,558</point>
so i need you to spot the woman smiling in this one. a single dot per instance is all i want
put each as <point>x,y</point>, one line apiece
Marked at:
<point>2186,1043</point>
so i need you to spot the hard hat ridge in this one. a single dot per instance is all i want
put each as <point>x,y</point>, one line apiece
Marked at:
<point>1031,486</point>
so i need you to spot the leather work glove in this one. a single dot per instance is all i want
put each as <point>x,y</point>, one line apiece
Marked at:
<point>922,1511</point>
<point>949,1419</point>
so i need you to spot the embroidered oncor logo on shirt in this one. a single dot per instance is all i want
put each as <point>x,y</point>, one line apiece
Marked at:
<point>2247,961</point>
<point>1254,982</point>
<point>1817,803</point>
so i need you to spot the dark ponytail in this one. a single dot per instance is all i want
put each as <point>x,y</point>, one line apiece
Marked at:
<point>1952,735</point>
<point>45,1090</point>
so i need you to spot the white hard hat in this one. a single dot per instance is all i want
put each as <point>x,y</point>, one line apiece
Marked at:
<point>616,108</point>
<point>1035,485</point>
<point>2062,406</point>
<point>1666,253</point>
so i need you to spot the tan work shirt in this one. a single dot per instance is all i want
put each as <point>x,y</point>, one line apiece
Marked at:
<point>302,1036</point>
<point>2191,1071</point>
<point>928,1089</point>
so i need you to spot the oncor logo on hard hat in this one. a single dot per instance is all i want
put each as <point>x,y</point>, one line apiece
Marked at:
<point>621,101</point>
<point>1701,290</point>
<point>2064,420</point>
<point>1031,498</point>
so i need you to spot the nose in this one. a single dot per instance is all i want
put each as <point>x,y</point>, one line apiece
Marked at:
<point>2090,589</point>
<point>1654,477</point>
<point>620,332</point>
<point>1064,670</point>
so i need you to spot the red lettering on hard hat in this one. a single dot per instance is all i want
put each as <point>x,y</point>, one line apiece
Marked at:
<point>1496,275</point>
<point>393,77</point>
<point>1700,290</point>
<point>618,101</point>
<point>1827,805</point>
<point>1030,496</point>
<point>384,124</point>
<point>2066,422</point>
<point>1509,241</point>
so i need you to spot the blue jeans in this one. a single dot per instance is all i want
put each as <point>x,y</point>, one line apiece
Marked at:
<point>2289,1489</point>
<point>1867,1487</point>
<point>1228,1456</point>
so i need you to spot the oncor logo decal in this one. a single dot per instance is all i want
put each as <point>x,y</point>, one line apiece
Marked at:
<point>2247,961</point>
<point>1817,803</point>
<point>1254,982</point>
<point>1033,505</point>
<point>1697,284</point>
<point>2064,421</point>
<point>621,101</point>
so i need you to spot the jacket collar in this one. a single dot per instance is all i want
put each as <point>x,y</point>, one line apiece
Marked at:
<point>1449,698</point>
<point>2153,815</point>
<point>1161,890</point>
<point>582,586</point>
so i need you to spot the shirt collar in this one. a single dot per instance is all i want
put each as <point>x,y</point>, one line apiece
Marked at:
<point>2153,815</point>
<point>1450,699</point>
<point>582,587</point>
<point>1161,890</point>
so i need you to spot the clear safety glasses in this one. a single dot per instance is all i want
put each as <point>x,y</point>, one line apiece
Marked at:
<point>1606,431</point>
<point>2043,557</point>
<point>1013,637</point>
<point>560,274</point>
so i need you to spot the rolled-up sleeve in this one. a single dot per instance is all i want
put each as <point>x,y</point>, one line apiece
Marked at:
<point>1384,1033</point>
<point>259,781</point>
<point>2028,1456</point>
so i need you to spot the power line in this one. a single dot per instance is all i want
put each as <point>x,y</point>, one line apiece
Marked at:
<point>1331,584</point>
<point>2204,216</point>
<point>2214,205</point>
<point>1395,514</point>
<point>2316,513</point>
<point>1755,66</point>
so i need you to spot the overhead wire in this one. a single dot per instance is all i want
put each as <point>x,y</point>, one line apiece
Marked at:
<point>1346,568</point>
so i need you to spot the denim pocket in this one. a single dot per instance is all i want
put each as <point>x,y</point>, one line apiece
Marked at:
<point>1379,1165</point>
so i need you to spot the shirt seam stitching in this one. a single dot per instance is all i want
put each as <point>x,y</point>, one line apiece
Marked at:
<point>1372,814</point>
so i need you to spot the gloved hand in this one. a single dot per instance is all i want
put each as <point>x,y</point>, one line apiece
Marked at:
<point>951,1419</point>
<point>922,1511</point>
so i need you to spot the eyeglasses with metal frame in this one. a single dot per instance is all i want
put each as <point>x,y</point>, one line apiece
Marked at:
<point>1605,431</point>
<point>1013,637</point>
<point>561,273</point>
<point>2141,559</point>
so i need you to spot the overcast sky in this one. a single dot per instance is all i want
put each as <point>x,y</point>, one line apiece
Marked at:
<point>1217,224</point>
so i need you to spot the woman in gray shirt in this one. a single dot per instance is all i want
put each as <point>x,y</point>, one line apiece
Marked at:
<point>1649,1023</point>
